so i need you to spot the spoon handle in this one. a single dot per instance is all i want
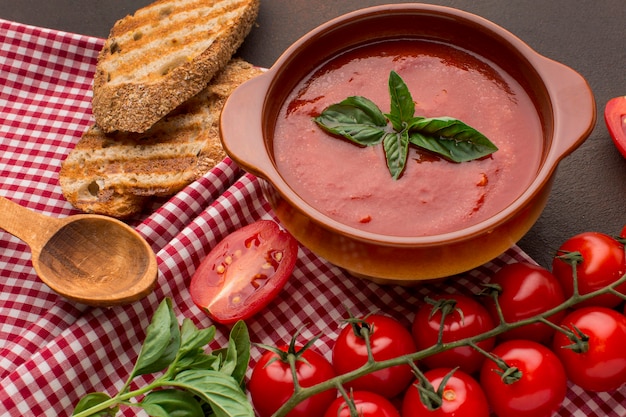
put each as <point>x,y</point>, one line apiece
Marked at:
<point>27,225</point>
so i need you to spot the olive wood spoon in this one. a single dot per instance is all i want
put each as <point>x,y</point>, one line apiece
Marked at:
<point>88,258</point>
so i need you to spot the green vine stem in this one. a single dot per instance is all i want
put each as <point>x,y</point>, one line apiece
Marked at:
<point>372,365</point>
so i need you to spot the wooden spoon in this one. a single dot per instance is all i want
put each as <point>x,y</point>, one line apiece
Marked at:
<point>88,258</point>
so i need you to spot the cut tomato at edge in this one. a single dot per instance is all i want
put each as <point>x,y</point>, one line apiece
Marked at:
<point>615,119</point>
<point>244,272</point>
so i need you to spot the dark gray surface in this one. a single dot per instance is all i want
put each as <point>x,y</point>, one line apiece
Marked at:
<point>589,191</point>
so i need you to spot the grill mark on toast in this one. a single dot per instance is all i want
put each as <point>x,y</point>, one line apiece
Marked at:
<point>164,48</point>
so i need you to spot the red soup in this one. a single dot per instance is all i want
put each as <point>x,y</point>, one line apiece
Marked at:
<point>352,184</point>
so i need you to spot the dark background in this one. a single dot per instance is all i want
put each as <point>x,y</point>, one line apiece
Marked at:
<point>589,191</point>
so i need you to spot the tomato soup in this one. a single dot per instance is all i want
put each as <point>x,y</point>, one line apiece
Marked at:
<point>352,184</point>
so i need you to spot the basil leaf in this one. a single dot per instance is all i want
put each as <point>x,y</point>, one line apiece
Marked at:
<point>171,403</point>
<point>238,352</point>
<point>193,339</point>
<point>369,109</point>
<point>402,105</point>
<point>162,341</point>
<point>191,353</point>
<point>449,138</point>
<point>220,391</point>
<point>396,146</point>
<point>92,400</point>
<point>356,119</point>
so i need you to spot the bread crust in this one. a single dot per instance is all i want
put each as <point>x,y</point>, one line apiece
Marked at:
<point>115,174</point>
<point>134,105</point>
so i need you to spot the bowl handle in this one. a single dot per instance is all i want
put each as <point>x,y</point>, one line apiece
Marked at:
<point>241,124</point>
<point>574,107</point>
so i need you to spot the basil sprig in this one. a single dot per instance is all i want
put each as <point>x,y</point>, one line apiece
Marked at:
<point>360,121</point>
<point>193,383</point>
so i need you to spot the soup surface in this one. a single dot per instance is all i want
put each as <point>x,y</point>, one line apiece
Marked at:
<point>352,184</point>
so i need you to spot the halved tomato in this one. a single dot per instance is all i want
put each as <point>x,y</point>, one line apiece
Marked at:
<point>615,119</point>
<point>244,272</point>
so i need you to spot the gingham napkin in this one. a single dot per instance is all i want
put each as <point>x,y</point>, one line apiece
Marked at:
<point>53,351</point>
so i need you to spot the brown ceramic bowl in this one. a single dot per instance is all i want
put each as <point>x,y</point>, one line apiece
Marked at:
<point>563,101</point>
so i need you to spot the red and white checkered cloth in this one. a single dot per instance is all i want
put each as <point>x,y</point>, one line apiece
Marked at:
<point>53,351</point>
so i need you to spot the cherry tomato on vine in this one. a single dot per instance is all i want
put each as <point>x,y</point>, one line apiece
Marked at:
<point>540,389</point>
<point>603,262</point>
<point>271,382</point>
<point>465,318</point>
<point>623,233</point>
<point>389,339</point>
<point>599,362</point>
<point>615,119</point>
<point>368,404</point>
<point>462,397</point>
<point>526,290</point>
<point>244,272</point>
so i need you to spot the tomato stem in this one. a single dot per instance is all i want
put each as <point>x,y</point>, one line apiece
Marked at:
<point>349,398</point>
<point>446,306</point>
<point>580,341</point>
<point>362,329</point>
<point>573,259</point>
<point>431,399</point>
<point>494,291</point>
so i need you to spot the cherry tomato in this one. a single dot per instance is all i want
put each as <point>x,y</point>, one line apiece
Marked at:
<point>368,404</point>
<point>540,390</point>
<point>271,382</point>
<point>388,339</point>
<point>466,319</point>
<point>615,119</point>
<point>462,397</point>
<point>602,367</point>
<point>244,272</point>
<point>603,262</point>
<point>526,290</point>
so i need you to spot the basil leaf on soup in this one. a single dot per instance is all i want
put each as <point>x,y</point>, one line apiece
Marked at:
<point>356,119</point>
<point>396,147</point>
<point>359,120</point>
<point>402,105</point>
<point>450,138</point>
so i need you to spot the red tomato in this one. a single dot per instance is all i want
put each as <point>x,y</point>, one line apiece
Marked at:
<point>462,397</point>
<point>388,339</point>
<point>271,383</point>
<point>368,404</point>
<point>469,318</point>
<point>244,272</point>
<point>540,390</point>
<point>602,367</point>
<point>603,262</point>
<point>526,290</point>
<point>615,119</point>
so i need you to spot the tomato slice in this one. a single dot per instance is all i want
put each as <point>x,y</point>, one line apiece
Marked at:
<point>615,119</point>
<point>244,272</point>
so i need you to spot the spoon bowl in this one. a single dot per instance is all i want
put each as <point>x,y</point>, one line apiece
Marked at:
<point>87,258</point>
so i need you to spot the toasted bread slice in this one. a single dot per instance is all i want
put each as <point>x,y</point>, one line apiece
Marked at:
<point>114,174</point>
<point>162,55</point>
